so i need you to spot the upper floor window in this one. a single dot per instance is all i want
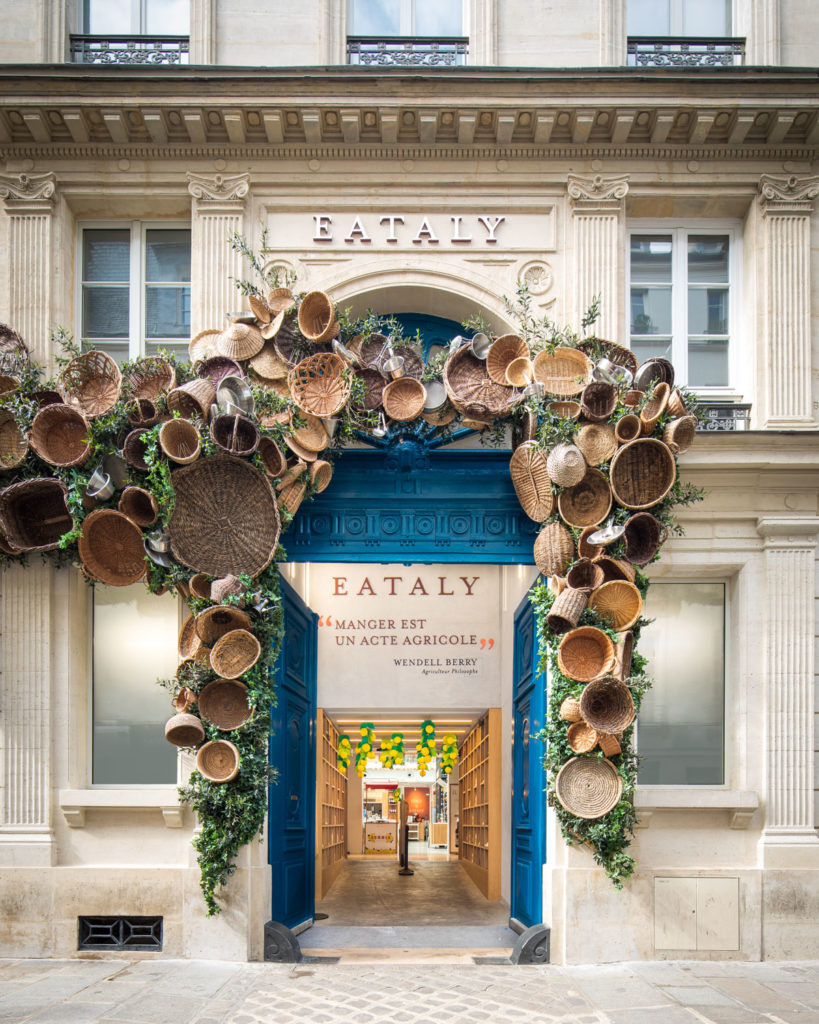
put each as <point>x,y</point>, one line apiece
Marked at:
<point>682,299</point>
<point>409,32</point>
<point>133,32</point>
<point>669,33</point>
<point>136,293</point>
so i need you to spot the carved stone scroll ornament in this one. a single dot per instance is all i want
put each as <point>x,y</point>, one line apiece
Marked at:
<point>597,189</point>
<point>792,191</point>
<point>218,187</point>
<point>28,187</point>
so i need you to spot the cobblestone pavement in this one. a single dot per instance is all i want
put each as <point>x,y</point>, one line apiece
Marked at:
<point>205,992</point>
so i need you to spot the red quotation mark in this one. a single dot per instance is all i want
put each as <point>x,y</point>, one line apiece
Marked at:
<point>488,644</point>
<point>326,621</point>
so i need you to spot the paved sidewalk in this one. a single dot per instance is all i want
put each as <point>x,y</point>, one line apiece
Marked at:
<point>207,992</point>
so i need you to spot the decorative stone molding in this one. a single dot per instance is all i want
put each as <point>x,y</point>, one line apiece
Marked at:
<point>794,193</point>
<point>28,188</point>
<point>74,803</point>
<point>218,187</point>
<point>597,191</point>
<point>740,805</point>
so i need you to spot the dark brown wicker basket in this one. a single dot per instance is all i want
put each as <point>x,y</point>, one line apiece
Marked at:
<point>272,459</point>
<point>598,401</point>
<point>622,656</point>
<point>91,383</point>
<point>587,503</point>
<point>585,653</point>
<point>111,549</point>
<point>184,730</point>
<point>149,378</point>
<point>530,479</point>
<point>226,519</point>
<point>199,585</point>
<point>598,348</point>
<point>606,705</point>
<point>642,473</point>
<point>568,606</point>
<point>60,436</point>
<point>554,550</point>
<point>236,434</point>
<point>13,446</point>
<point>584,575</point>
<point>214,622</point>
<point>614,568</point>
<point>139,505</point>
<point>134,450</point>
<point>34,514</point>
<point>643,537</point>
<point>235,653</point>
<point>374,384</point>
<point>584,548</point>
<point>224,704</point>
<point>470,388</point>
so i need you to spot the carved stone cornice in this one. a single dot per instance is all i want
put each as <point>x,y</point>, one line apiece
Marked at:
<point>27,191</point>
<point>597,194</point>
<point>219,188</point>
<point>788,194</point>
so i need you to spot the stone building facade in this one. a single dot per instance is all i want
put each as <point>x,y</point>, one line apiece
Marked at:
<point>540,152</point>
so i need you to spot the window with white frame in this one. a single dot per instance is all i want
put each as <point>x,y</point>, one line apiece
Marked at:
<point>702,18</point>
<point>680,735</point>
<point>683,300</point>
<point>135,288</point>
<point>406,17</point>
<point>134,644</point>
<point>136,17</point>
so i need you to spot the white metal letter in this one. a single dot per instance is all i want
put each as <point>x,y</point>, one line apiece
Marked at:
<point>323,232</point>
<point>357,230</point>
<point>425,231</point>
<point>392,219</point>
<point>456,231</point>
<point>491,228</point>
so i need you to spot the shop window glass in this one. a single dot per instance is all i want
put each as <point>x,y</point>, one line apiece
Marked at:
<point>134,644</point>
<point>680,735</point>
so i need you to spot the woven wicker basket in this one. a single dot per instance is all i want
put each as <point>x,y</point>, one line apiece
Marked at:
<point>200,586</point>
<point>598,401</point>
<point>110,547</point>
<point>632,398</point>
<point>60,436</point>
<point>289,342</point>
<point>215,622</point>
<point>597,442</point>
<point>582,738</point>
<point>627,428</point>
<point>224,704</point>
<point>319,385</point>
<point>149,378</point>
<point>585,653</point>
<point>642,473</point>
<point>225,519</point>
<point>6,546</point>
<point>679,434</point>
<point>622,656</point>
<point>470,388</point>
<point>183,701</point>
<point>620,603</point>
<point>374,384</point>
<point>566,610</point>
<point>570,710</point>
<point>235,653</point>
<point>236,434</point>
<point>530,479</point>
<point>193,399</point>
<point>239,342</point>
<point>312,435</point>
<point>279,300</point>
<point>554,550</point>
<point>227,586</point>
<point>598,348</point>
<point>566,410</point>
<point>557,584</point>
<point>565,372</point>
<point>134,450</point>
<point>295,474</point>
<point>269,364</point>
<point>143,413</point>
<point>13,446</point>
<point>179,440</point>
<point>34,514</point>
<point>614,568</point>
<point>189,643</point>
<point>588,787</point>
<point>584,548</point>
<point>584,575</point>
<point>566,465</point>
<point>654,409</point>
<point>520,372</point>
<point>643,537</point>
<point>321,473</point>
<point>139,505</point>
<point>91,383</point>
<point>607,705</point>
<point>272,459</point>
<point>317,316</point>
<point>259,309</point>
<point>303,454</point>
<point>413,362</point>
<point>676,405</point>
<point>371,352</point>
<point>291,497</point>
<point>609,743</point>
<point>203,345</point>
<point>504,351</point>
<point>216,368</point>
<point>404,399</point>
<point>184,730</point>
<point>218,761</point>
<point>587,503</point>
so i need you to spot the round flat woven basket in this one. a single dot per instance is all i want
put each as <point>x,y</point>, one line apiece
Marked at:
<point>318,384</point>
<point>597,442</point>
<point>213,623</point>
<point>312,436</point>
<point>34,514</point>
<point>184,730</point>
<point>239,342</point>
<point>149,377</point>
<point>582,738</point>
<point>218,761</point>
<point>654,408</point>
<point>110,547</point>
<point>91,383</point>
<point>203,345</point>
<point>570,710</point>
<point>607,705</point>
<point>374,384</point>
<point>564,372</point>
<point>235,653</point>
<point>598,401</point>
<point>13,446</point>
<point>643,537</point>
<point>235,434</point>
<point>554,550</point>
<point>224,704</point>
<point>584,575</point>
<point>566,465</point>
<point>179,440</point>
<point>60,436</point>
<point>587,503</point>
<point>679,434</point>
<point>303,454</point>
<point>585,653</point>
<point>404,399</point>
<point>505,350</point>
<point>139,505</point>
<point>272,459</point>
<point>216,368</point>
<point>269,364</point>
<point>225,519</point>
<point>317,316</point>
<point>566,610</point>
<point>642,473</point>
<point>627,428</point>
<point>192,399</point>
<point>134,450</point>
<point>530,478</point>
<point>470,388</point>
<point>599,348</point>
<point>584,548</point>
<point>588,787</point>
<point>619,602</point>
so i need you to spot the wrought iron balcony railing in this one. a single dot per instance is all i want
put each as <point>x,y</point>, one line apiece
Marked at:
<point>725,416</point>
<point>684,51</point>
<point>129,49</point>
<point>406,51</point>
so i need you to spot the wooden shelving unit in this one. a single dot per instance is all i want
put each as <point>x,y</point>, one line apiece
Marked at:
<point>480,805</point>
<point>331,807</point>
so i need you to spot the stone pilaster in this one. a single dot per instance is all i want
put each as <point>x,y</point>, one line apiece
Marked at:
<point>786,207</point>
<point>598,248</point>
<point>788,685</point>
<point>25,716</point>
<point>29,202</point>
<point>203,32</point>
<point>218,208</point>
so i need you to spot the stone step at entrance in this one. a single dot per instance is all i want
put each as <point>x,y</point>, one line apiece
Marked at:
<point>373,937</point>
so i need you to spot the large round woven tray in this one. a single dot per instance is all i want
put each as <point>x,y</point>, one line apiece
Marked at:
<point>218,761</point>
<point>404,399</point>
<point>318,384</point>
<point>13,446</point>
<point>184,730</point>
<point>60,436</point>
<point>91,383</point>
<point>554,550</point>
<point>588,787</point>
<point>226,519</point>
<point>587,503</point>
<point>110,547</point>
<point>213,623</point>
<point>563,372</point>
<point>235,653</point>
<point>642,473</point>
<point>224,704</point>
<point>470,388</point>
<point>607,705</point>
<point>149,378</point>
<point>34,514</point>
<point>530,479</point>
<point>619,602</point>
<point>585,653</point>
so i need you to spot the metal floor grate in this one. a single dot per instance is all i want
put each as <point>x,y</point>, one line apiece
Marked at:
<point>143,933</point>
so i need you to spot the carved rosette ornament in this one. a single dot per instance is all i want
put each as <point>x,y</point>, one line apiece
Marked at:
<point>218,188</point>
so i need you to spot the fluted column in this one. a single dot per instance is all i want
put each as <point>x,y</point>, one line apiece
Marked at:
<point>29,202</point>
<point>25,716</point>
<point>218,208</point>
<point>786,206</point>
<point>203,32</point>
<point>598,247</point>
<point>789,614</point>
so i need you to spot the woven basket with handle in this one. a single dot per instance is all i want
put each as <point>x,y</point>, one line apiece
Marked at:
<point>585,653</point>
<point>110,547</point>
<point>60,436</point>
<point>34,514</point>
<point>235,434</point>
<point>588,787</point>
<point>91,383</point>
<point>598,401</point>
<point>235,653</point>
<point>530,478</point>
